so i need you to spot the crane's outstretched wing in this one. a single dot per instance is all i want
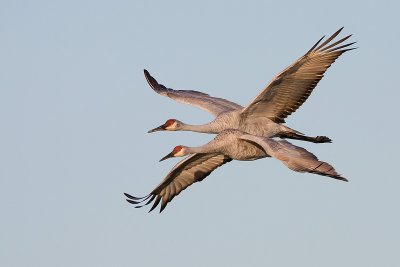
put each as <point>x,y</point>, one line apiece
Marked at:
<point>201,100</point>
<point>193,168</point>
<point>295,158</point>
<point>289,89</point>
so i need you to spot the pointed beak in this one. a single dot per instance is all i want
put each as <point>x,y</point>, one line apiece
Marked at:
<point>170,155</point>
<point>159,128</point>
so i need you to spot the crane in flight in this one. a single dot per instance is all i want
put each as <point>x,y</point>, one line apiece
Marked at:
<point>228,145</point>
<point>264,116</point>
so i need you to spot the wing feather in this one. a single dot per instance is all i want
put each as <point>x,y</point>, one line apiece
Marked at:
<point>295,158</point>
<point>289,89</point>
<point>190,170</point>
<point>213,105</point>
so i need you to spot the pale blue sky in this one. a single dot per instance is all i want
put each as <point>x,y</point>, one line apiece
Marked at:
<point>75,110</point>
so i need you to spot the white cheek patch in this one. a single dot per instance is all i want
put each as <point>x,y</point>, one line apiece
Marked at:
<point>171,127</point>
<point>179,153</point>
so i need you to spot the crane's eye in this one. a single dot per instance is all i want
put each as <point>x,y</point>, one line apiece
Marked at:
<point>169,122</point>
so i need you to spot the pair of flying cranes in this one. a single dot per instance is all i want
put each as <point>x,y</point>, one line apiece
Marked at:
<point>246,133</point>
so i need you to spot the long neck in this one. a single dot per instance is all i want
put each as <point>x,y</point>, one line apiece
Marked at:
<point>213,146</point>
<point>204,128</point>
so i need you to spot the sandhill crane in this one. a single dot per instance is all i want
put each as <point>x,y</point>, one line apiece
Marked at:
<point>263,116</point>
<point>226,146</point>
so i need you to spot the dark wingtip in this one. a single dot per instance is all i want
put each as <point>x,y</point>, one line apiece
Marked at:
<point>155,204</point>
<point>147,75</point>
<point>131,197</point>
<point>132,201</point>
<point>163,206</point>
<point>315,45</point>
<point>339,177</point>
<point>338,31</point>
<point>153,82</point>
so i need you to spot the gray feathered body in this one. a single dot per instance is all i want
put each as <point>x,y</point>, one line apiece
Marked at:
<point>261,126</point>
<point>239,145</point>
<point>229,143</point>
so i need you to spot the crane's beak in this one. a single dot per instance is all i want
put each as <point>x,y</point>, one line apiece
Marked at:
<point>159,128</point>
<point>170,155</point>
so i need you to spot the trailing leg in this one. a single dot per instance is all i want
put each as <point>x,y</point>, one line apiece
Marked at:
<point>296,136</point>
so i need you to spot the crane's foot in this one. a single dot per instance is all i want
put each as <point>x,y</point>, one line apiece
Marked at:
<point>321,139</point>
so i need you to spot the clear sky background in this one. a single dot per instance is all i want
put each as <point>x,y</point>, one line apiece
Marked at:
<point>75,110</point>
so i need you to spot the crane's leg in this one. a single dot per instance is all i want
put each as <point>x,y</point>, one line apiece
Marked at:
<point>295,136</point>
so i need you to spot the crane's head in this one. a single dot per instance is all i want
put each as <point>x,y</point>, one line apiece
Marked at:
<point>178,151</point>
<point>169,125</point>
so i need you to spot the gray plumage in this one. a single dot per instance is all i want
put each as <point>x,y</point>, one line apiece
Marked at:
<point>226,146</point>
<point>295,158</point>
<point>264,115</point>
<point>192,169</point>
